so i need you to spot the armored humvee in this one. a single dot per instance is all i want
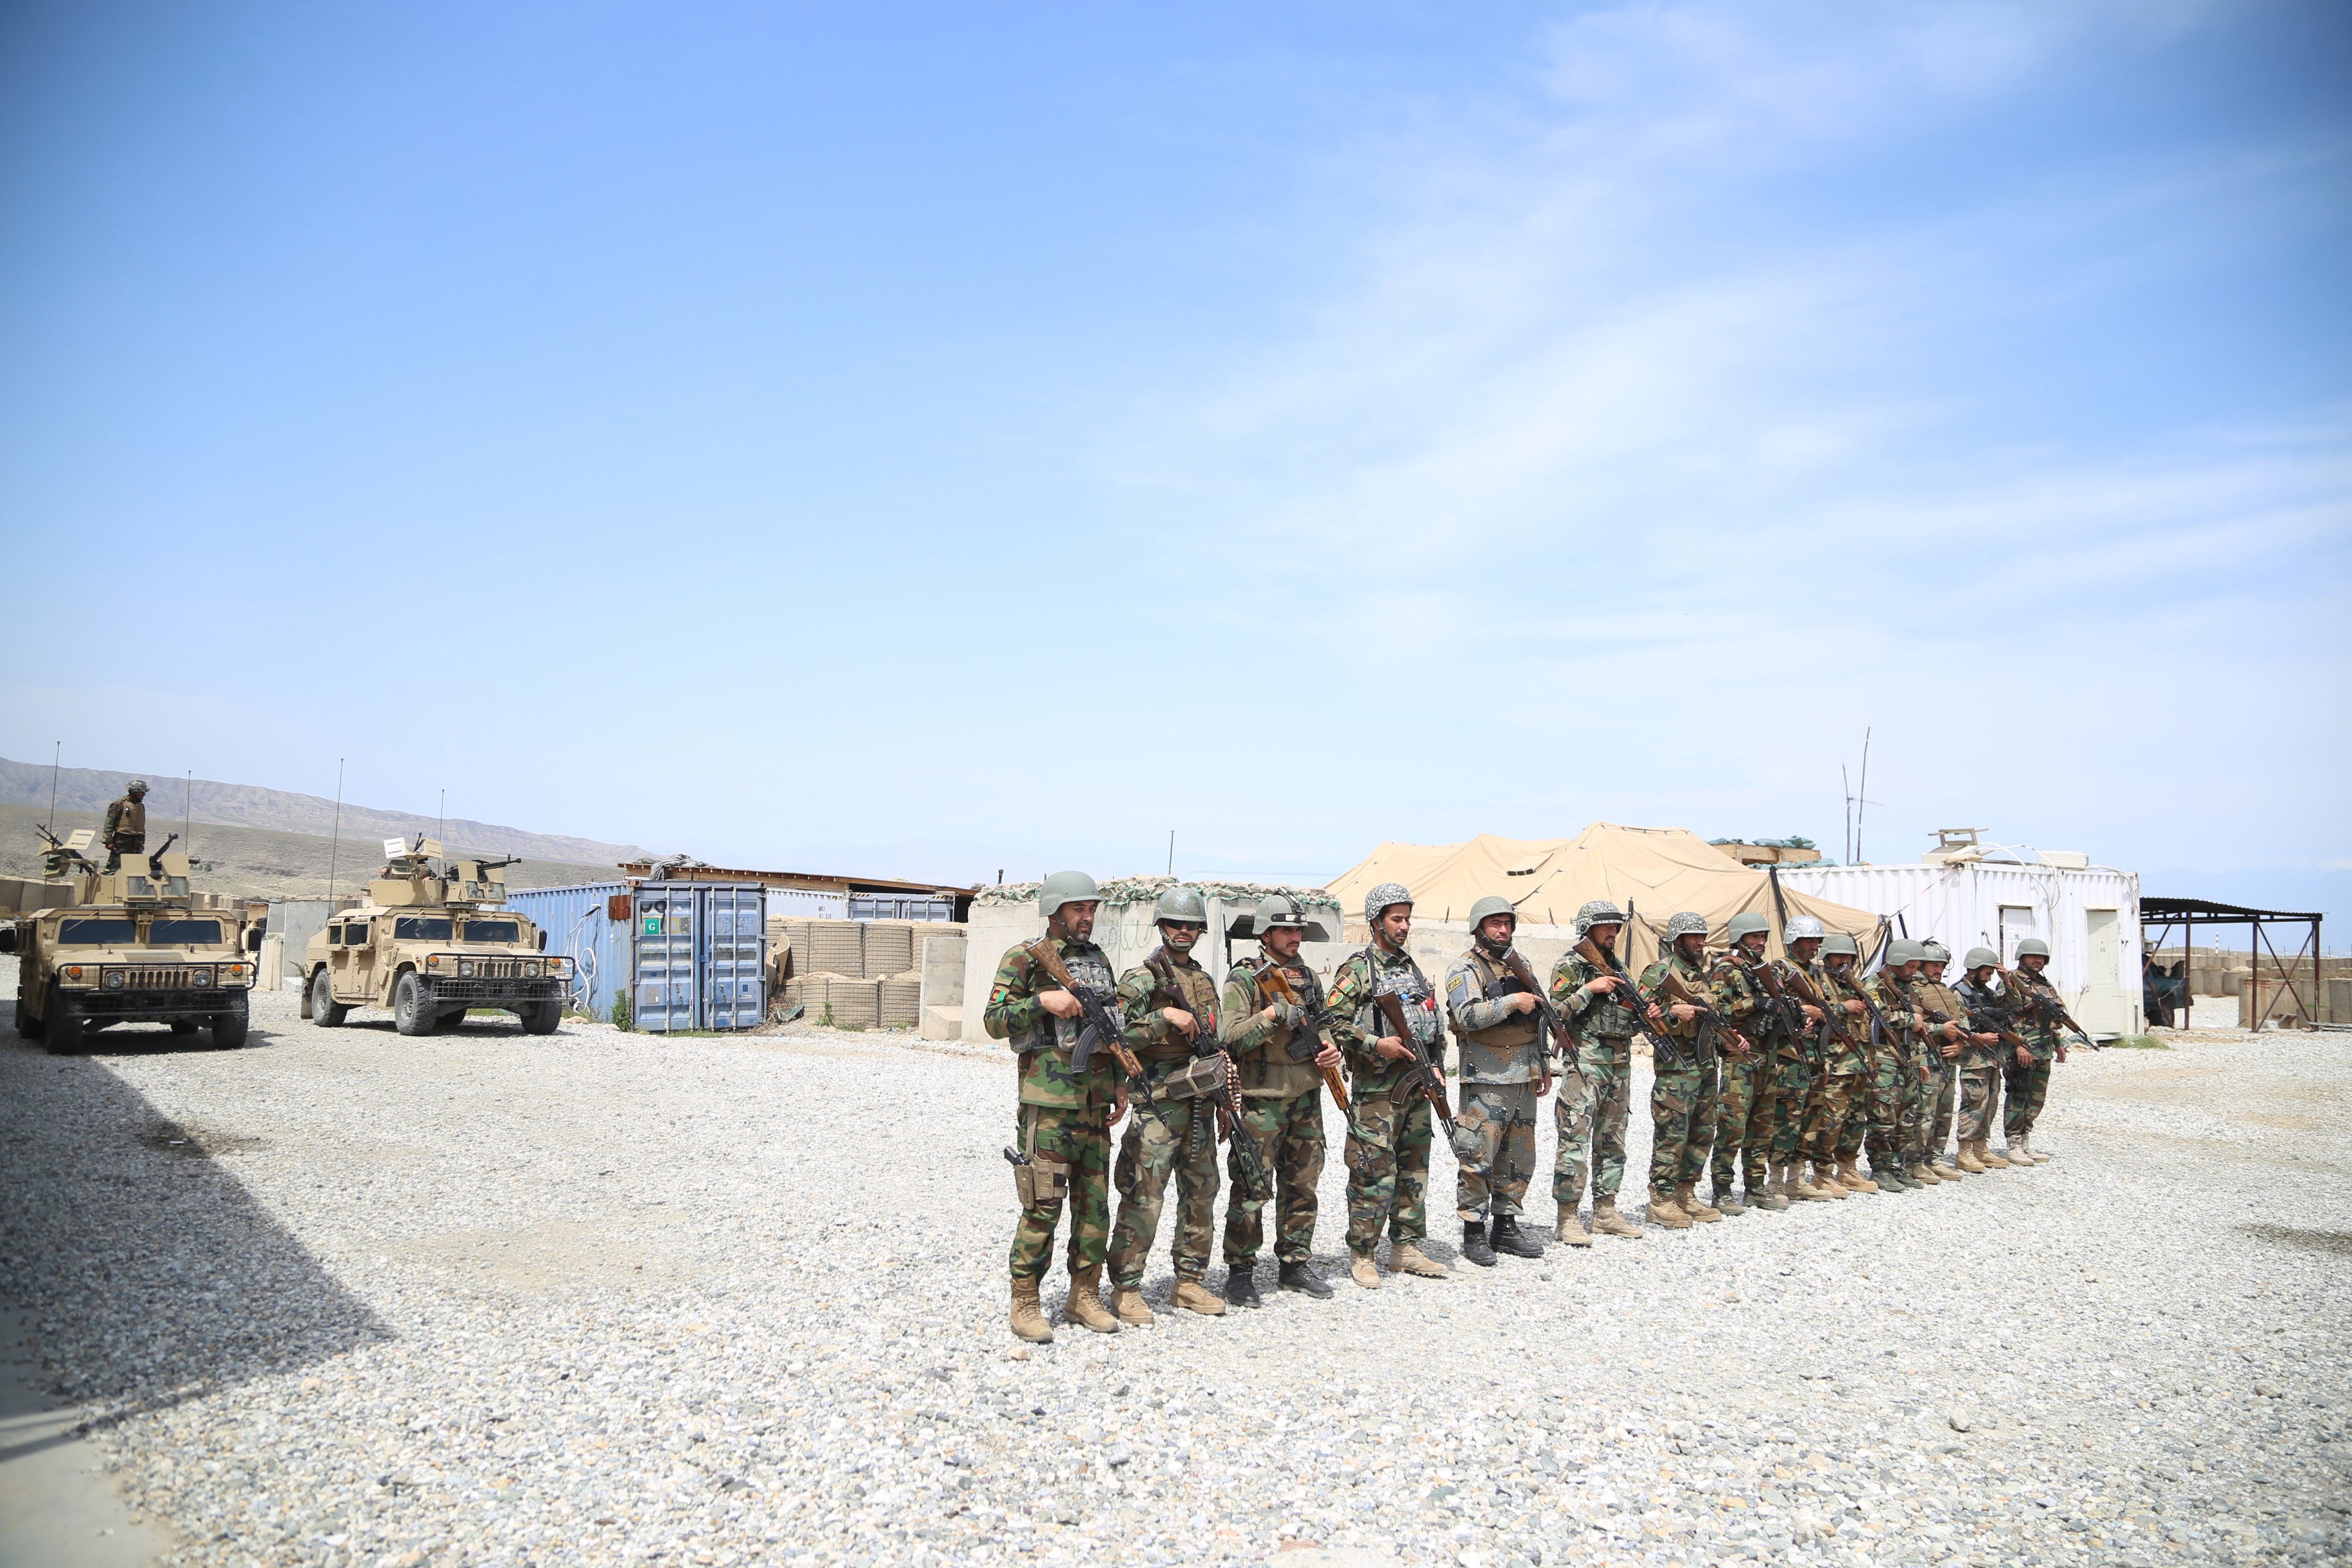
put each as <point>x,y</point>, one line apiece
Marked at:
<point>429,944</point>
<point>132,946</point>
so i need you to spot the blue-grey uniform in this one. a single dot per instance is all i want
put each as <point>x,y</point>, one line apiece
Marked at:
<point>1500,1072</point>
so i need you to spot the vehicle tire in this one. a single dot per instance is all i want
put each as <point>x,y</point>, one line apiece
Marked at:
<point>63,1023</point>
<point>26,1025</point>
<point>325,1011</point>
<point>412,1011</point>
<point>229,1028</point>
<point>540,1017</point>
<point>184,1025</point>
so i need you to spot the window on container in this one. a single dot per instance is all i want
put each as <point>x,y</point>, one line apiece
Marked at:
<point>92,931</point>
<point>166,932</point>
<point>422,928</point>
<point>493,930</point>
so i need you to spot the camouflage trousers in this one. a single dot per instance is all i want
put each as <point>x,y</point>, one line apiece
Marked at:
<point>1590,1119</point>
<point>1388,1170</point>
<point>1793,1089</point>
<point>1289,1138</point>
<point>1896,1082</point>
<point>1500,1117</point>
<point>2028,1087</point>
<point>1980,1089</point>
<point>1080,1135</point>
<point>1743,1123</point>
<point>1941,1098</point>
<point>1833,1100</point>
<point>1878,1122</point>
<point>1683,1108</point>
<point>1157,1146</point>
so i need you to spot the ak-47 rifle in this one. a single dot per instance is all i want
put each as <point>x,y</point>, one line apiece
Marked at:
<point>1785,1011</point>
<point>1206,1044</point>
<point>2043,1003</point>
<point>1098,1009</point>
<point>1672,989</point>
<point>1550,1024</point>
<point>1421,1076</point>
<point>1833,1014</point>
<point>1664,1046</point>
<point>1314,1019</point>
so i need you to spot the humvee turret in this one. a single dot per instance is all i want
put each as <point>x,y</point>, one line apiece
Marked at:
<point>429,944</point>
<point>129,946</point>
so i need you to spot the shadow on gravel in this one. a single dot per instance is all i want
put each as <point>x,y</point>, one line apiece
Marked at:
<point>2336,1243</point>
<point>151,1272</point>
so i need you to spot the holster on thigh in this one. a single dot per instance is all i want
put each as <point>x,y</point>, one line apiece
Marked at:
<point>1040,1180</point>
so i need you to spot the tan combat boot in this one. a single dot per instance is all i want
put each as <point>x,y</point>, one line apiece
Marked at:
<point>1029,1322</point>
<point>1364,1271</point>
<point>1195,1297</point>
<point>1851,1178</point>
<point>1407,1258</point>
<point>1665,1211</point>
<point>1687,1199</point>
<point>1607,1221</point>
<point>1797,1185</point>
<point>1127,1305</point>
<point>1988,1159</point>
<point>1925,1172</point>
<point>1085,1303</point>
<point>1825,1180</point>
<point>1965,1159</point>
<point>1570,1229</point>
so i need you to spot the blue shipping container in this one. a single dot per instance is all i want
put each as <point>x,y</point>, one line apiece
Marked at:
<point>577,925</point>
<point>701,956</point>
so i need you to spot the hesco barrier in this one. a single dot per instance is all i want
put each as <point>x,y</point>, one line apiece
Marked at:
<point>579,924</point>
<point>700,956</point>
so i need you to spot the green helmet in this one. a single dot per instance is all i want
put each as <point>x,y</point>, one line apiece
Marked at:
<point>1934,952</point>
<point>1065,888</point>
<point>1491,904</point>
<point>1183,905</point>
<point>1902,951</point>
<point>2034,947</point>
<point>1745,923</point>
<point>1982,957</point>
<point>1279,909</point>
<point>1836,943</point>
<point>136,786</point>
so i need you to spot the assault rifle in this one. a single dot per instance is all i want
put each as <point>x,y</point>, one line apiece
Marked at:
<point>1785,1011</point>
<point>1421,1076</point>
<point>1671,988</point>
<point>1550,1024</point>
<point>1228,1106</point>
<point>2043,1003</point>
<point>1833,1014</point>
<point>1314,1019</point>
<point>1097,1007</point>
<point>1980,1018</point>
<point>1662,1046</point>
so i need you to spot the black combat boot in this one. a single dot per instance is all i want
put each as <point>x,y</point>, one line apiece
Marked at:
<point>1474,1244</point>
<point>1241,1285</point>
<point>1304,1280</point>
<point>1509,1237</point>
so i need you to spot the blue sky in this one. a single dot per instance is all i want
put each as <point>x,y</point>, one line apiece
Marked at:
<point>941,439</point>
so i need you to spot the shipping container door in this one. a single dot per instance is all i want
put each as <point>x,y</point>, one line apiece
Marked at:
<point>735,979</point>
<point>2016,925</point>
<point>2104,1010</point>
<point>665,990</point>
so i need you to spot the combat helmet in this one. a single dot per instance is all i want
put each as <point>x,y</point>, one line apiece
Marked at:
<point>136,786</point>
<point>1982,957</point>
<point>1800,927</point>
<point>1839,942</point>
<point>1378,901</point>
<point>1065,888</point>
<point>1491,904</point>
<point>1934,952</point>
<point>1747,922</point>
<point>1276,909</point>
<point>1598,912</point>
<point>2033,946</point>
<point>1184,905</point>
<point>1687,922</point>
<point>1902,951</point>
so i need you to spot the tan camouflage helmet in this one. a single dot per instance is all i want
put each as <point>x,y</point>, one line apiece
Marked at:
<point>1598,912</point>
<point>1377,902</point>
<point>136,786</point>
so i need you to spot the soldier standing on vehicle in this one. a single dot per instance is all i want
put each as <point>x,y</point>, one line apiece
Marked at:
<point>1845,1095</point>
<point>1683,1098</point>
<point>1899,1148</point>
<point>1387,1132</point>
<point>1282,1107</point>
<point>1743,1124</point>
<point>125,831</point>
<point>1603,1026</point>
<point>2025,1073</point>
<point>1946,1039</point>
<point>1066,1115</point>
<point>1170,1005</point>
<point>1503,1074</point>
<point>1794,1081</point>
<point>1980,1062</point>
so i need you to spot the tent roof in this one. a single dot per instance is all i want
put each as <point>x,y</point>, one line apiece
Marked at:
<point>1653,871</point>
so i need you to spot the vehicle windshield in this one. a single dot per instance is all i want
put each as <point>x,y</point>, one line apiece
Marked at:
<point>422,928</point>
<point>165,932</point>
<point>493,930</point>
<point>95,931</point>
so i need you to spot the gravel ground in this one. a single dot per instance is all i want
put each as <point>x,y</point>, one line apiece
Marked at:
<point>345,1299</point>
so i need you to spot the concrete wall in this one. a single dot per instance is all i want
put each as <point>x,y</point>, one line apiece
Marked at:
<point>941,960</point>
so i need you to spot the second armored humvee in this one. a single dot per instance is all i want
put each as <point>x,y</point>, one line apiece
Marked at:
<point>129,946</point>
<point>432,944</point>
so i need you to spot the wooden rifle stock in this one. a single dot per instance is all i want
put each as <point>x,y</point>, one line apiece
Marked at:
<point>1662,1045</point>
<point>1096,1013</point>
<point>1555,1026</point>
<point>1311,1024</point>
<point>1425,1074</point>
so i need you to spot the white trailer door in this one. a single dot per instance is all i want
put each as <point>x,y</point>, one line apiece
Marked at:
<point>2016,925</point>
<point>2104,1010</point>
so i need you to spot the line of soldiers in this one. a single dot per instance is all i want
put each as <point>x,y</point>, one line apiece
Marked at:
<point>1773,1080</point>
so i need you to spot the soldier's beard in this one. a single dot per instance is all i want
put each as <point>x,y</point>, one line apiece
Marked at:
<point>1491,948</point>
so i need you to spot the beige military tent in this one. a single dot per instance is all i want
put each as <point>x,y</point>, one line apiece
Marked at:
<point>1652,872</point>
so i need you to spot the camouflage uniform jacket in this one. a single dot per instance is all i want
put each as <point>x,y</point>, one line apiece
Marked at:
<point>1895,1004</point>
<point>1015,1016</point>
<point>1741,1001</point>
<point>1591,1014</point>
<point>1846,1048</point>
<point>126,825</point>
<point>1356,1023</point>
<point>1934,996</point>
<point>1798,1047</point>
<point>2035,1005</point>
<point>1261,1046</point>
<point>1497,1042</point>
<point>1162,980</point>
<point>1692,975</point>
<point>1992,1008</point>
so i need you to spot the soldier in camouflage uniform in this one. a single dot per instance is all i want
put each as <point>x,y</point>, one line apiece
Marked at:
<point>1504,1072</point>
<point>1681,1098</point>
<point>1946,1039</point>
<point>1170,1005</point>
<point>1066,1117</point>
<point>1282,1107</point>
<point>2026,1074</point>
<point>1897,1152</point>
<point>125,831</point>
<point>1592,1133</point>
<point>1388,1136</point>
<point>1743,1126</point>
<point>1794,1078</point>
<point>1843,1096</point>
<point>1980,1062</point>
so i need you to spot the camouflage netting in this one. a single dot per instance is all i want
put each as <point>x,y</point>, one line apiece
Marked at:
<point>1147,889</point>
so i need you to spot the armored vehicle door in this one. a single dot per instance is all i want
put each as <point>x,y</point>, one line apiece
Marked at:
<point>348,954</point>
